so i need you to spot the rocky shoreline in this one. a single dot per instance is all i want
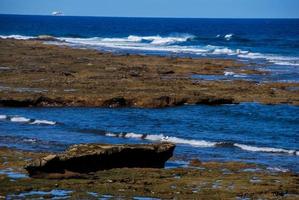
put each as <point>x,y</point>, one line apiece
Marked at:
<point>33,74</point>
<point>203,180</point>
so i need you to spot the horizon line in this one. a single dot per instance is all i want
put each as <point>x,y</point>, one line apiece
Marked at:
<point>50,15</point>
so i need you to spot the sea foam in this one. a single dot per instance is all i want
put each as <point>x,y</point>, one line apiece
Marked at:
<point>168,44</point>
<point>200,143</point>
<point>45,122</point>
<point>3,117</point>
<point>19,119</point>
<point>265,149</point>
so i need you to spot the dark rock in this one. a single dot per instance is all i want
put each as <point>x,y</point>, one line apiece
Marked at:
<point>216,101</point>
<point>86,158</point>
<point>166,72</point>
<point>166,101</point>
<point>15,103</point>
<point>38,102</point>
<point>116,102</point>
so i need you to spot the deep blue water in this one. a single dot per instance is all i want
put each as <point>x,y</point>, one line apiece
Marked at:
<point>247,132</point>
<point>273,44</point>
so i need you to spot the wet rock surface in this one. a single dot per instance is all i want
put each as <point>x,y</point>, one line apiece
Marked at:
<point>35,70</point>
<point>200,180</point>
<point>87,158</point>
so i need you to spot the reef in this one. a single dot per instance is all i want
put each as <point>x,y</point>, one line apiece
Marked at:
<point>35,74</point>
<point>198,180</point>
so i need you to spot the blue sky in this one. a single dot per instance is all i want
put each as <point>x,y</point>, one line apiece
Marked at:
<point>157,8</point>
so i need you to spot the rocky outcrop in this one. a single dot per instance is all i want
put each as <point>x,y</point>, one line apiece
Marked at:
<point>87,158</point>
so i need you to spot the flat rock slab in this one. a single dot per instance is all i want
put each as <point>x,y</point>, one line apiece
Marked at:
<point>85,158</point>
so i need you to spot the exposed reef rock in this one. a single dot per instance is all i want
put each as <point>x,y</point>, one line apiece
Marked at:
<point>87,158</point>
<point>41,75</point>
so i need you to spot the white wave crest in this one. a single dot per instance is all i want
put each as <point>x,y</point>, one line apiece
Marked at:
<point>3,117</point>
<point>45,122</point>
<point>229,73</point>
<point>278,60</point>
<point>133,135</point>
<point>228,36</point>
<point>111,135</point>
<point>167,44</point>
<point>155,137</point>
<point>226,51</point>
<point>196,143</point>
<point>17,37</point>
<point>199,143</point>
<point>19,119</point>
<point>265,149</point>
<point>277,169</point>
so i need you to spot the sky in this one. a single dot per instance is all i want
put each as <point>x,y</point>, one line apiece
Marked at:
<point>157,8</point>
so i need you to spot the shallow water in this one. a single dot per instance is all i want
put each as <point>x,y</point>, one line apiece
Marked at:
<point>249,132</point>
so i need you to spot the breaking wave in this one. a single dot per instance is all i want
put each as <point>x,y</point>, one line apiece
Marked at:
<point>20,119</point>
<point>167,44</point>
<point>196,143</point>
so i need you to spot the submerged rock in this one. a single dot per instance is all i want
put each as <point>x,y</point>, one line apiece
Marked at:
<point>85,158</point>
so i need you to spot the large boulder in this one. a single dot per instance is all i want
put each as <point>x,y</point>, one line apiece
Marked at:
<point>85,158</point>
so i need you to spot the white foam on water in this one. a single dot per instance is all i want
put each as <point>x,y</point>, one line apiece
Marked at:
<point>228,36</point>
<point>111,135</point>
<point>3,117</point>
<point>196,143</point>
<point>265,149</point>
<point>277,169</point>
<point>167,44</point>
<point>133,135</point>
<point>229,73</point>
<point>154,137</point>
<point>226,51</point>
<point>30,140</point>
<point>45,122</point>
<point>19,119</point>
<point>278,60</point>
<point>240,75</point>
<point>17,37</point>
<point>200,143</point>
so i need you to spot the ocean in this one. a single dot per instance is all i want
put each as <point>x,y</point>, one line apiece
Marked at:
<point>248,132</point>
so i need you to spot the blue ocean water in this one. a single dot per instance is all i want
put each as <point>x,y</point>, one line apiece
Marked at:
<point>246,132</point>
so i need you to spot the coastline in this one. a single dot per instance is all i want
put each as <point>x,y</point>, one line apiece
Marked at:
<point>212,180</point>
<point>34,74</point>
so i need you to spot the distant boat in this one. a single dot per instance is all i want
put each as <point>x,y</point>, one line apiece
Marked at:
<point>57,13</point>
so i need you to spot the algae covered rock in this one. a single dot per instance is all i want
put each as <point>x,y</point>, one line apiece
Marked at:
<point>85,158</point>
